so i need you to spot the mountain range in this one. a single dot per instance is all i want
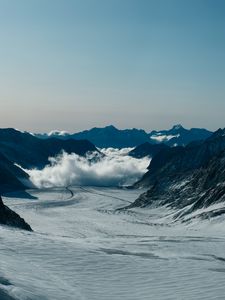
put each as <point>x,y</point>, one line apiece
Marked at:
<point>29,151</point>
<point>106,137</point>
<point>188,176</point>
<point>110,136</point>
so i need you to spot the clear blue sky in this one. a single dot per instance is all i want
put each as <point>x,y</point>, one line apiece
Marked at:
<point>74,64</point>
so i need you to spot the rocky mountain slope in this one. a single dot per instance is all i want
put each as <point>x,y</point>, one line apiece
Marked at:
<point>188,178</point>
<point>147,149</point>
<point>10,218</point>
<point>12,178</point>
<point>29,151</point>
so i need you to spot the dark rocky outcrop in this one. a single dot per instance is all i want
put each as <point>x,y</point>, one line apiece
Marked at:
<point>10,218</point>
<point>12,178</point>
<point>190,177</point>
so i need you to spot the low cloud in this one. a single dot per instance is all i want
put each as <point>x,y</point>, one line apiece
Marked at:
<point>116,168</point>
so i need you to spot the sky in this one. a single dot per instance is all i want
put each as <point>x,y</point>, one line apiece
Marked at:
<point>75,64</point>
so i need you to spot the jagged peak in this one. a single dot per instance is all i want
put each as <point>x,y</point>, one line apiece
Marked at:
<point>218,133</point>
<point>111,127</point>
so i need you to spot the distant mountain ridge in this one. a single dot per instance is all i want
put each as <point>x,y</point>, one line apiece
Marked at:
<point>110,136</point>
<point>179,136</point>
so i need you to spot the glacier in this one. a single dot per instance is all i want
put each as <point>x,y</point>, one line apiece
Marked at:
<point>84,247</point>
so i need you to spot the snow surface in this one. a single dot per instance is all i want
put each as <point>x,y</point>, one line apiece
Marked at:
<point>83,248</point>
<point>58,132</point>
<point>163,138</point>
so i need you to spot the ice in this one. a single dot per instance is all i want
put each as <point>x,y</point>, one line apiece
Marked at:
<point>83,247</point>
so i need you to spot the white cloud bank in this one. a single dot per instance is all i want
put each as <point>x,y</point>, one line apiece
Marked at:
<point>116,168</point>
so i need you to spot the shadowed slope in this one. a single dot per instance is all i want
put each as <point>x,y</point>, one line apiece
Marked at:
<point>29,151</point>
<point>10,218</point>
<point>193,175</point>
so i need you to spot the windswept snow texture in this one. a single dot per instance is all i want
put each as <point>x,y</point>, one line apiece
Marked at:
<point>82,248</point>
<point>116,168</point>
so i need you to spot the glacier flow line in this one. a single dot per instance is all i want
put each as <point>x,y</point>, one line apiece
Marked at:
<point>105,195</point>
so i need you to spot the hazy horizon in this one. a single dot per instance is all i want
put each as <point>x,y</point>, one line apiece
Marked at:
<point>73,65</point>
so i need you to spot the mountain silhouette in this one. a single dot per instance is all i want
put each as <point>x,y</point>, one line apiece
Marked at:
<point>110,136</point>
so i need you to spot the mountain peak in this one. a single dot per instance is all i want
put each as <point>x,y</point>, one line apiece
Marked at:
<point>58,132</point>
<point>111,127</point>
<point>177,127</point>
<point>219,133</point>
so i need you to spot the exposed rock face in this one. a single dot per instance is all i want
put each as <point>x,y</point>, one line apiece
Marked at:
<point>194,175</point>
<point>147,149</point>
<point>11,176</point>
<point>178,161</point>
<point>10,218</point>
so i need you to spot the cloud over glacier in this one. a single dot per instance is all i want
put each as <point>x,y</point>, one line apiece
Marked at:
<point>116,168</point>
